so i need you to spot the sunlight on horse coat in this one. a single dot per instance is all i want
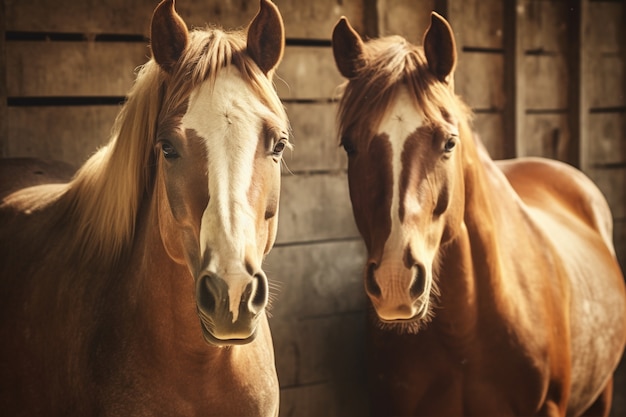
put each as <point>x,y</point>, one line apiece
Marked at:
<point>494,286</point>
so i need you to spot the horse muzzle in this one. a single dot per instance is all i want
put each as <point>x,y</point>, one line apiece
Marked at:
<point>398,294</point>
<point>229,310</point>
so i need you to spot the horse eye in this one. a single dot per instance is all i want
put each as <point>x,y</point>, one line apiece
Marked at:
<point>279,147</point>
<point>169,152</point>
<point>348,146</point>
<point>450,144</point>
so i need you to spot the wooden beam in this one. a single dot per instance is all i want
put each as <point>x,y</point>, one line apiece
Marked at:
<point>577,109</point>
<point>442,7</point>
<point>4,119</point>
<point>370,19</point>
<point>514,107</point>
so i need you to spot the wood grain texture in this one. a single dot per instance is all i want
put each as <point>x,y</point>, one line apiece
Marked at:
<point>479,80</point>
<point>404,18</point>
<point>547,135</point>
<point>314,208</point>
<point>51,68</point>
<point>313,19</point>
<point>308,73</point>
<point>66,133</point>
<point>612,183</point>
<point>546,82</point>
<point>314,136</point>
<point>477,23</point>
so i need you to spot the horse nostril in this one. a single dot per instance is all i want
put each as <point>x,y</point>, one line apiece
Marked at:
<point>205,294</point>
<point>259,296</point>
<point>371,286</point>
<point>419,281</point>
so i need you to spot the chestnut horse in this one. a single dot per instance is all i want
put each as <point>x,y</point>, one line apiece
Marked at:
<point>495,287</point>
<point>136,288</point>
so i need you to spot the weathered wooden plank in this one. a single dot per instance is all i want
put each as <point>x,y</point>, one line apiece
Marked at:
<point>315,138</point>
<point>108,68</point>
<point>73,68</point>
<point>322,349</point>
<point>605,29</point>
<point>88,16</point>
<point>477,23</point>
<point>316,19</point>
<point>577,108</point>
<point>612,183</point>
<point>311,19</point>
<point>546,135</point>
<point>302,19</point>
<point>607,133</point>
<point>346,398</point>
<point>607,81</point>
<point>68,134</point>
<point>409,19</point>
<point>308,73</point>
<point>544,25</point>
<point>546,81</point>
<point>316,279</point>
<point>479,80</point>
<point>582,73</point>
<point>317,321</point>
<point>120,16</point>
<point>315,207</point>
<point>489,127</point>
<point>3,84</point>
<point>514,83</point>
<point>619,239</point>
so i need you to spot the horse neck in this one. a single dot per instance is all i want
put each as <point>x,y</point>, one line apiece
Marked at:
<point>472,270</point>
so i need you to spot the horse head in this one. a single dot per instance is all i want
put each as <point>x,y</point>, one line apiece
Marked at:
<point>400,126</point>
<point>221,125</point>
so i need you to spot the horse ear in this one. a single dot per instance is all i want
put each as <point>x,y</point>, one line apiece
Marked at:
<point>168,35</point>
<point>440,47</point>
<point>266,37</point>
<point>347,48</point>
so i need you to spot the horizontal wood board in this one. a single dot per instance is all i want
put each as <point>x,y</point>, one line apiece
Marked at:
<point>310,19</point>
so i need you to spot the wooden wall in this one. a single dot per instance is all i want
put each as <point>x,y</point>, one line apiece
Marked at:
<point>544,77</point>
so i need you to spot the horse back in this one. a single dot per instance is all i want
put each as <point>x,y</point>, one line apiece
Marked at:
<point>18,173</point>
<point>558,189</point>
<point>29,185</point>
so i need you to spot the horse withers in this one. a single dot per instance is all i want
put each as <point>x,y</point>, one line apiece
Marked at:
<point>136,288</point>
<point>494,287</point>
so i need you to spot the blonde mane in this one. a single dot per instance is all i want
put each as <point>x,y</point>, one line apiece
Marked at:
<point>390,63</point>
<point>105,196</point>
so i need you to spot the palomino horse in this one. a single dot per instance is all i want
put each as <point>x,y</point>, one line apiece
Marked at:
<point>136,288</point>
<point>495,286</point>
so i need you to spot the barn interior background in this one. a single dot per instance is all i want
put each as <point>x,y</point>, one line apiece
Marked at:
<point>544,77</point>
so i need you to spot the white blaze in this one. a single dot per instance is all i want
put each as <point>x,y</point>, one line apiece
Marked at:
<point>402,120</point>
<point>229,118</point>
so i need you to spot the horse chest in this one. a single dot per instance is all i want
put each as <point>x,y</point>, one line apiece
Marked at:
<point>177,391</point>
<point>425,375</point>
